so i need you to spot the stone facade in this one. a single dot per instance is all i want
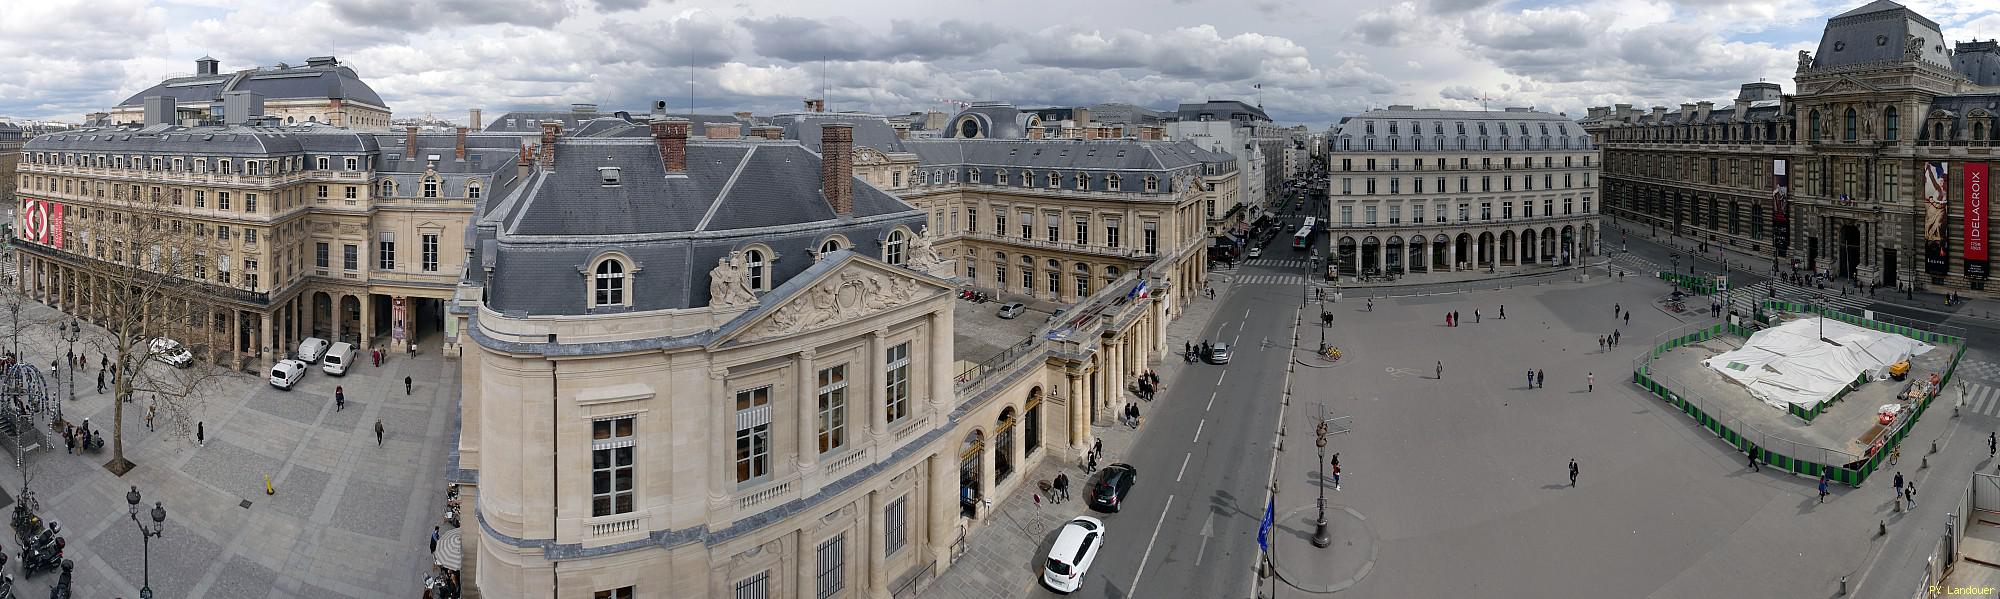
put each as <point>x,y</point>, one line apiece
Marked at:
<point>1835,178</point>
<point>288,232</point>
<point>1433,190</point>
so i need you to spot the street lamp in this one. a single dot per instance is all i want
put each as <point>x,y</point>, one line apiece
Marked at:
<point>1321,538</point>
<point>146,535</point>
<point>70,334</point>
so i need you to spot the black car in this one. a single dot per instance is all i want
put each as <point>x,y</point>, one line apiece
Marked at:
<point>1114,483</point>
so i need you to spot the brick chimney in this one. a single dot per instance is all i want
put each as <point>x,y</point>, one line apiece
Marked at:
<point>474,121</point>
<point>772,132</point>
<point>410,142</point>
<point>670,134</point>
<point>458,150</point>
<point>743,114</point>
<point>723,131</point>
<point>550,131</point>
<point>836,166</point>
<point>522,161</point>
<point>815,105</point>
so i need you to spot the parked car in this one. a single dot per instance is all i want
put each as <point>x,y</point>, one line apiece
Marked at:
<point>1012,310</point>
<point>1075,550</point>
<point>338,358</point>
<point>1053,316</point>
<point>1257,252</point>
<point>1114,484</point>
<point>171,352</point>
<point>1219,354</point>
<point>312,349</point>
<point>286,373</point>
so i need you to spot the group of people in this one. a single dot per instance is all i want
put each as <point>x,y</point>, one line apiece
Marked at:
<point>1189,352</point>
<point>1147,383</point>
<point>1605,342</point>
<point>74,435</point>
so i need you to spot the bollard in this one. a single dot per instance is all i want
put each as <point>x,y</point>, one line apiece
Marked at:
<point>268,489</point>
<point>1926,464</point>
<point>1843,585</point>
<point>1933,445</point>
<point>1881,527</point>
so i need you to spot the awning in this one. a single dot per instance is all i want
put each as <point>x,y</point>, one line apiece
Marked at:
<point>451,550</point>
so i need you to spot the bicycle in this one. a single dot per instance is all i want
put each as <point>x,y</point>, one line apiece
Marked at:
<point>1331,354</point>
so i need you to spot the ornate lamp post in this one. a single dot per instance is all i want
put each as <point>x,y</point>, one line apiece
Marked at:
<point>1321,538</point>
<point>146,535</point>
<point>70,334</point>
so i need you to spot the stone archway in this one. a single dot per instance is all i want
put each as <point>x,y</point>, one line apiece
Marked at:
<point>971,473</point>
<point>350,319</point>
<point>1485,250</point>
<point>1344,255</point>
<point>1509,250</point>
<point>323,324</point>
<point>1371,255</point>
<point>1461,251</point>
<point>1004,463</point>
<point>1441,252</point>
<point>1548,238</point>
<point>1394,250</point>
<point>1420,255</point>
<point>1568,244</point>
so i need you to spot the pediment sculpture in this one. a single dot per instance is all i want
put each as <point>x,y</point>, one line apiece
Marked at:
<point>922,255</point>
<point>729,282</point>
<point>847,296</point>
<point>1805,60</point>
<point>1913,47</point>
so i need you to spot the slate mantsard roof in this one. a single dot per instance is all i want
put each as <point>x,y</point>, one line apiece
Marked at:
<point>1129,156</point>
<point>538,240</point>
<point>317,80</point>
<point>1541,130</point>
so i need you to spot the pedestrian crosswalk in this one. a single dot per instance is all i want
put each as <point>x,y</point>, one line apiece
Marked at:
<point>1270,280</point>
<point>1636,264</point>
<point>1979,398</point>
<point>1279,263</point>
<point>1746,298</point>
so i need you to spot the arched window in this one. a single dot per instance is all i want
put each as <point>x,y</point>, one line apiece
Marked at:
<point>1027,178</point>
<point>388,188</point>
<point>892,249</point>
<point>1111,182</point>
<point>1082,182</point>
<point>1152,183</point>
<point>1812,126</point>
<point>430,187</point>
<point>1891,128</point>
<point>972,176</point>
<point>829,246</point>
<point>1937,132</point>
<point>1979,131</point>
<point>1055,179</point>
<point>1847,125</point>
<point>610,283</point>
<point>754,259</point>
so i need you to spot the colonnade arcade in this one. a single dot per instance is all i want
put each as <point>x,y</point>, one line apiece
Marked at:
<point>1466,250</point>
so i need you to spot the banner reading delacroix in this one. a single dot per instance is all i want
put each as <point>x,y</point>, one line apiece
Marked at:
<point>1781,191</point>
<point>1937,257</point>
<point>1976,205</point>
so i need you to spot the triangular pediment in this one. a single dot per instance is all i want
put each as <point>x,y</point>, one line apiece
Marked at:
<point>853,288</point>
<point>1847,85</point>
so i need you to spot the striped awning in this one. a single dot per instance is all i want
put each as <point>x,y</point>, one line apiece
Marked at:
<point>451,549</point>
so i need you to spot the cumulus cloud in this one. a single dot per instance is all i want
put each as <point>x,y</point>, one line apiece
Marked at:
<point>1316,62</point>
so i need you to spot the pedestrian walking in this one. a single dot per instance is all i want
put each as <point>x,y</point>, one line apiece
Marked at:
<point>100,382</point>
<point>378,431</point>
<point>1097,447</point>
<point>1531,378</point>
<point>339,398</point>
<point>1600,343</point>
<point>1503,311</point>
<point>200,436</point>
<point>1062,487</point>
<point>1590,386</point>
<point>69,440</point>
<point>1615,335</point>
<point>1898,484</point>
<point>1371,304</point>
<point>1336,472</point>
<point>1754,467</point>
<point>1455,320</point>
<point>1616,308</point>
<point>406,385</point>
<point>1572,472</point>
<point>1628,317</point>
<point>1992,444</point>
<point>434,539</point>
<point>1475,316</point>
<point>1822,487</point>
<point>1541,378</point>
<point>1910,494</point>
<point>1440,371</point>
<point>150,409</point>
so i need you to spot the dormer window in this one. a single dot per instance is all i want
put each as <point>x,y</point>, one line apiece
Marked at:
<point>1111,182</point>
<point>1082,182</point>
<point>431,186</point>
<point>472,189</point>
<point>1027,178</point>
<point>1055,180</point>
<point>388,188</point>
<point>609,283</point>
<point>892,248</point>
<point>1152,183</point>
<point>754,259</point>
<point>829,246</point>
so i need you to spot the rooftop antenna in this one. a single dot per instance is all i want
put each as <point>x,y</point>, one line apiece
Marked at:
<point>822,81</point>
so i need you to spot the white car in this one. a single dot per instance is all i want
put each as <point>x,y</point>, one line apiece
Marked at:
<point>1075,549</point>
<point>311,349</point>
<point>171,352</point>
<point>1256,253</point>
<point>286,373</point>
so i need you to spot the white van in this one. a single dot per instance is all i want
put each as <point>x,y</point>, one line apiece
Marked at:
<point>311,349</point>
<point>171,352</point>
<point>337,358</point>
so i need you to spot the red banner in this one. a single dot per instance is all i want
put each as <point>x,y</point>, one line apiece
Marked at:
<point>42,222</point>
<point>1976,186</point>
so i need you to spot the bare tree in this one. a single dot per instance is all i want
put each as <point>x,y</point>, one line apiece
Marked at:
<point>147,288</point>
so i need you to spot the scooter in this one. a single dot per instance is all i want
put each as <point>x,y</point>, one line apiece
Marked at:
<point>61,589</point>
<point>6,586</point>
<point>39,535</point>
<point>34,561</point>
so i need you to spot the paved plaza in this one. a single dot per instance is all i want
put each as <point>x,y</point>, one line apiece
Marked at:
<point>348,518</point>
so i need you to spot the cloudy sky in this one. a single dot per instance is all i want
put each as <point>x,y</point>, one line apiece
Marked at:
<point>1317,60</point>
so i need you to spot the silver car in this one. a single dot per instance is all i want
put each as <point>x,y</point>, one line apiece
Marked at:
<point>1218,354</point>
<point>1013,310</point>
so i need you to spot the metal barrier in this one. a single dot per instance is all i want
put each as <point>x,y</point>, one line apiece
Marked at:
<point>1797,457</point>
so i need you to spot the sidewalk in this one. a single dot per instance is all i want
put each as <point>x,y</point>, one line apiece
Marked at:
<point>992,566</point>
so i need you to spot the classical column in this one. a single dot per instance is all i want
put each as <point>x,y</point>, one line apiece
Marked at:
<point>719,464</point>
<point>1079,417</point>
<point>943,499</point>
<point>1454,253</point>
<point>806,566</point>
<point>264,343</point>
<point>236,338</point>
<point>939,387</point>
<point>808,413</point>
<point>367,321</point>
<point>873,543</point>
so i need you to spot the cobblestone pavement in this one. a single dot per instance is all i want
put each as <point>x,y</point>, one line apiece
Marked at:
<point>348,518</point>
<point>1001,558</point>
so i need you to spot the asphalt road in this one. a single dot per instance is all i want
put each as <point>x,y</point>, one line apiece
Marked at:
<point>1189,528</point>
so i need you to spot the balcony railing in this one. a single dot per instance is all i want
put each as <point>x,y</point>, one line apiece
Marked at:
<point>613,526</point>
<point>1095,250</point>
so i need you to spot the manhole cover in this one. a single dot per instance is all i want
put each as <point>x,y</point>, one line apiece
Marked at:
<point>244,505</point>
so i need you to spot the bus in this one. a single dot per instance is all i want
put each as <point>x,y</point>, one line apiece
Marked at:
<point>1303,239</point>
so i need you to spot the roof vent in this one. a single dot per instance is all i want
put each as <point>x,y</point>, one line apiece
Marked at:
<point>609,175</point>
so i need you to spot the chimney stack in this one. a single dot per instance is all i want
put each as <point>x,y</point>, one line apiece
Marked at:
<point>521,161</point>
<point>815,105</point>
<point>410,142</point>
<point>1702,109</point>
<point>744,114</point>
<point>475,120</point>
<point>836,166</point>
<point>723,131</point>
<point>670,134</point>
<point>1659,114</point>
<point>902,130</point>
<point>772,132</point>
<point>1742,109</point>
<point>458,151</point>
<point>550,131</point>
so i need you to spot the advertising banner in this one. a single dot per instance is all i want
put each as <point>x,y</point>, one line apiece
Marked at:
<point>1976,186</point>
<point>1781,192</point>
<point>42,222</point>
<point>1937,256</point>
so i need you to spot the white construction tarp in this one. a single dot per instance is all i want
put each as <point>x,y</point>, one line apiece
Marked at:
<point>1789,365</point>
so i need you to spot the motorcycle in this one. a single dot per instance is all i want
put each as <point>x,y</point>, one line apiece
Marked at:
<point>6,586</point>
<point>34,561</point>
<point>38,535</point>
<point>61,589</point>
